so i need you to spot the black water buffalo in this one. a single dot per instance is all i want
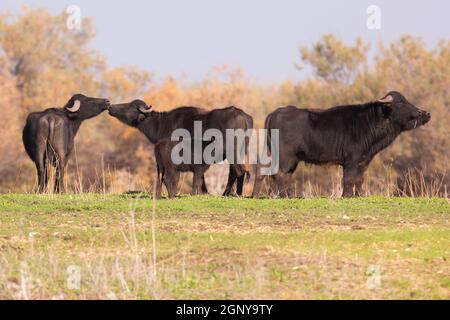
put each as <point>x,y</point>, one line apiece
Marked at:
<point>349,136</point>
<point>168,172</point>
<point>48,136</point>
<point>160,125</point>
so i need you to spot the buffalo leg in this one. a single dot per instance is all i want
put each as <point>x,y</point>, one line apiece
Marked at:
<point>273,186</point>
<point>171,182</point>
<point>289,185</point>
<point>353,180</point>
<point>42,173</point>
<point>59,178</point>
<point>283,179</point>
<point>41,165</point>
<point>204,188</point>
<point>197,182</point>
<point>277,185</point>
<point>240,174</point>
<point>359,182</point>
<point>259,178</point>
<point>232,176</point>
<point>159,181</point>
<point>237,174</point>
<point>284,184</point>
<point>240,184</point>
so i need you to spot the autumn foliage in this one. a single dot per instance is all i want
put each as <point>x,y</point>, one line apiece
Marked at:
<point>42,64</point>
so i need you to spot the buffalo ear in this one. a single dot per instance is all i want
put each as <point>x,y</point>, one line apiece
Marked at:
<point>139,119</point>
<point>386,110</point>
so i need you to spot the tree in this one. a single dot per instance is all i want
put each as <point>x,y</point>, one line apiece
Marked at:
<point>49,61</point>
<point>9,97</point>
<point>333,61</point>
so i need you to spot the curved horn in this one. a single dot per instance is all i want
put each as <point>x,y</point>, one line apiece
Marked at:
<point>75,107</point>
<point>394,97</point>
<point>386,98</point>
<point>145,110</point>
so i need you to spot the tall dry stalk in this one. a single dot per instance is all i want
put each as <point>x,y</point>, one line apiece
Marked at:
<point>153,229</point>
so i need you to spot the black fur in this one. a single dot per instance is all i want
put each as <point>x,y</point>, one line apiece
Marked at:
<point>48,136</point>
<point>349,136</point>
<point>157,126</point>
<point>169,173</point>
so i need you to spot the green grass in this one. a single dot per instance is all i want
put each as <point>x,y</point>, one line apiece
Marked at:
<point>213,247</point>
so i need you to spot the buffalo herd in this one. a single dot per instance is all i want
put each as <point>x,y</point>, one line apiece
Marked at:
<point>347,135</point>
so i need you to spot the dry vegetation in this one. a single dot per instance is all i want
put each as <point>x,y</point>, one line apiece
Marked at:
<point>212,247</point>
<point>42,64</point>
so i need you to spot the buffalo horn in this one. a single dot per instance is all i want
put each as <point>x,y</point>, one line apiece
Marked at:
<point>145,110</point>
<point>75,107</point>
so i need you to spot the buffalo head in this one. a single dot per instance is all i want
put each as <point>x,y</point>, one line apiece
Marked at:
<point>83,107</point>
<point>402,113</point>
<point>130,113</point>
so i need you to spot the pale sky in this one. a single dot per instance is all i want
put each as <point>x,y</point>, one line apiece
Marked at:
<point>190,37</point>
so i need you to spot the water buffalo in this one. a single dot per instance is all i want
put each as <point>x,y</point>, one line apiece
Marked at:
<point>160,125</point>
<point>48,136</point>
<point>168,172</point>
<point>349,136</point>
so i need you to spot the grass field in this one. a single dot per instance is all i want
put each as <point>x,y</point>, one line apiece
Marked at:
<point>211,247</point>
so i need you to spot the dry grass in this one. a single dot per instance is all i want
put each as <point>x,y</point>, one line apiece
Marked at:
<point>207,247</point>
